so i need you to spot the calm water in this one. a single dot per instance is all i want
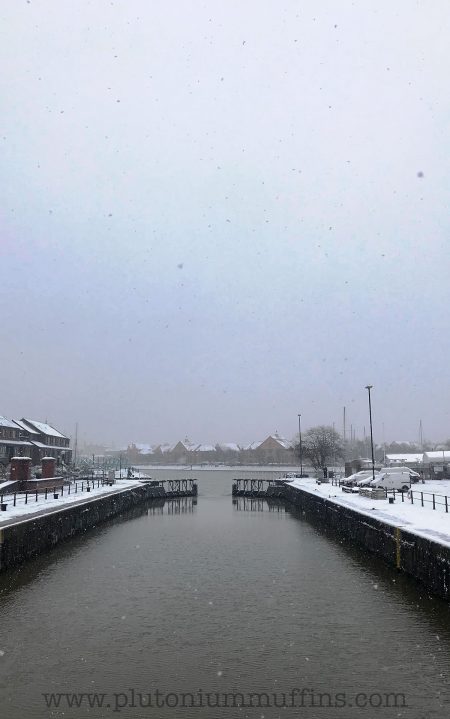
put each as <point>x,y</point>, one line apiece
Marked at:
<point>217,597</point>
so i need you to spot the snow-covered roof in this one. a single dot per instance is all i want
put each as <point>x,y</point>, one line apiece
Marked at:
<point>276,437</point>
<point>205,448</point>
<point>15,442</point>
<point>144,448</point>
<point>41,445</point>
<point>190,446</point>
<point>408,457</point>
<point>253,445</point>
<point>281,440</point>
<point>44,428</point>
<point>28,429</point>
<point>437,457</point>
<point>5,422</point>
<point>229,447</point>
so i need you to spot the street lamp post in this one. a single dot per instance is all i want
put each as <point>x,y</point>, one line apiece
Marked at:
<point>368,388</point>
<point>300,449</point>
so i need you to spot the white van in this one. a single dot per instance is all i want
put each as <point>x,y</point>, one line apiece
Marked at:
<point>415,476</point>
<point>393,480</point>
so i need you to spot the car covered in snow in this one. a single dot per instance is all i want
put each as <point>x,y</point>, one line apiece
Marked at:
<point>353,479</point>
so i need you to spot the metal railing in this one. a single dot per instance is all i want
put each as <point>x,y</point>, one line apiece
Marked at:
<point>414,496</point>
<point>421,498</point>
<point>81,486</point>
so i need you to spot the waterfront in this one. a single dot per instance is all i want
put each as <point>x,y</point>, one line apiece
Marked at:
<point>222,597</point>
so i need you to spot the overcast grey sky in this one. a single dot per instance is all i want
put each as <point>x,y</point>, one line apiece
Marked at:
<point>215,215</point>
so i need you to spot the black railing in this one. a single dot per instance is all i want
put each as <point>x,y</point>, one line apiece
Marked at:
<point>55,492</point>
<point>415,496</point>
<point>421,498</point>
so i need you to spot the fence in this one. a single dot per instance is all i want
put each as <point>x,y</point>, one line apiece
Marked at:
<point>49,493</point>
<point>420,498</point>
<point>437,501</point>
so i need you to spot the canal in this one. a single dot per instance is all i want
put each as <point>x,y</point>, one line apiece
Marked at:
<point>228,603</point>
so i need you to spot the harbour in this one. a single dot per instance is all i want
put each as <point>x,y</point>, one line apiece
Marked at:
<point>269,603</point>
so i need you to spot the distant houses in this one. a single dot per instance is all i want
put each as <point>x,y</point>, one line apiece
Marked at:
<point>31,438</point>
<point>274,449</point>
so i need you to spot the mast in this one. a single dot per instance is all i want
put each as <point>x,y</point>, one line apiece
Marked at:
<point>75,447</point>
<point>345,440</point>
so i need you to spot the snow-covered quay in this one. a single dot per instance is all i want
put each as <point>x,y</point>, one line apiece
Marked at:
<point>412,538</point>
<point>433,524</point>
<point>40,504</point>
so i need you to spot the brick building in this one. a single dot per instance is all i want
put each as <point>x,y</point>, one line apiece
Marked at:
<point>28,438</point>
<point>46,441</point>
<point>12,441</point>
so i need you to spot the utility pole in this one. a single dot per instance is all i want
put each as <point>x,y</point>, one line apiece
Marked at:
<point>75,448</point>
<point>368,388</point>
<point>300,449</point>
<point>345,440</point>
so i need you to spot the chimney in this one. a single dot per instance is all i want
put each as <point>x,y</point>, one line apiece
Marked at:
<point>48,467</point>
<point>21,470</point>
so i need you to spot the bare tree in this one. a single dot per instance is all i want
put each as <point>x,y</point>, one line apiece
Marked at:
<point>321,444</point>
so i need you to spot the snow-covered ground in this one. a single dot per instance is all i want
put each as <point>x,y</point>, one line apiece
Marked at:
<point>424,521</point>
<point>22,510</point>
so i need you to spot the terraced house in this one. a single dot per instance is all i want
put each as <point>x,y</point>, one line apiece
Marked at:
<point>30,438</point>
<point>12,441</point>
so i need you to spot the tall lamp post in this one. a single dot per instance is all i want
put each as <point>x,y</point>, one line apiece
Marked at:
<point>300,449</point>
<point>368,388</point>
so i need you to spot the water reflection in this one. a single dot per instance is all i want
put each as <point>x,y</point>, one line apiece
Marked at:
<point>257,504</point>
<point>181,505</point>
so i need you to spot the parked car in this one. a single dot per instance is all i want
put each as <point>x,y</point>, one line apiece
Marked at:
<point>353,479</point>
<point>367,480</point>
